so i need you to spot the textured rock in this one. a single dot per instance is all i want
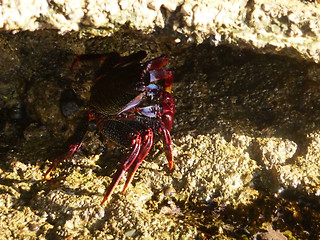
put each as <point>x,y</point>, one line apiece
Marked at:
<point>246,133</point>
<point>291,26</point>
<point>246,145</point>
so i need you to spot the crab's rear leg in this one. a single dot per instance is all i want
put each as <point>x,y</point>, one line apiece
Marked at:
<point>60,158</point>
<point>113,56</point>
<point>109,60</point>
<point>73,143</point>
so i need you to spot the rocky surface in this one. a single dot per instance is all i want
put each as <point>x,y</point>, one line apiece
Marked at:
<point>246,139</point>
<point>289,26</point>
<point>246,134</point>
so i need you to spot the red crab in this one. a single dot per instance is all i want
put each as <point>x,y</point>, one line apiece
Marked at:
<point>129,108</point>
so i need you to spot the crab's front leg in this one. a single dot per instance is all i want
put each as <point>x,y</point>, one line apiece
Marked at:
<point>125,135</point>
<point>146,144</point>
<point>73,143</point>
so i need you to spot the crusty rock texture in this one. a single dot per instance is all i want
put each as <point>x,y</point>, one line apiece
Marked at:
<point>246,135</point>
<point>264,24</point>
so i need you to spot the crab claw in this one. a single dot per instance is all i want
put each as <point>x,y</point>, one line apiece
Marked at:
<point>168,109</point>
<point>157,63</point>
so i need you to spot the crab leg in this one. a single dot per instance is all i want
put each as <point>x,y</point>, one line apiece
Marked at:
<point>124,167</point>
<point>146,146</point>
<point>93,57</point>
<point>167,142</point>
<point>75,142</point>
<point>71,150</point>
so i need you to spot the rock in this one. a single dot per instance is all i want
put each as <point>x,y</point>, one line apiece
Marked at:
<point>287,26</point>
<point>246,136</point>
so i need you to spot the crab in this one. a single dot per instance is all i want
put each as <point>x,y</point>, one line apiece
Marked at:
<point>131,102</point>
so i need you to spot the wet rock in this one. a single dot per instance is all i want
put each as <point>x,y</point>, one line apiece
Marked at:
<point>245,134</point>
<point>69,103</point>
